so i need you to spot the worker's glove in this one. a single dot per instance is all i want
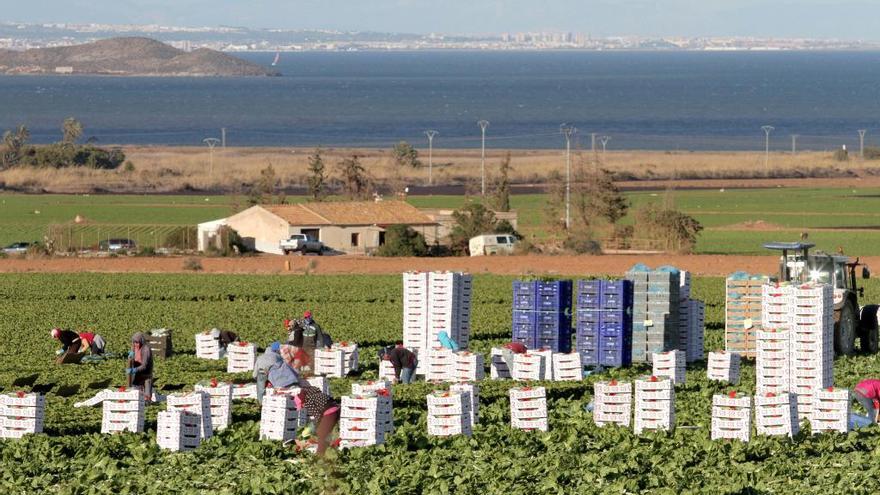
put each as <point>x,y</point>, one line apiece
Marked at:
<point>129,371</point>
<point>130,354</point>
<point>59,352</point>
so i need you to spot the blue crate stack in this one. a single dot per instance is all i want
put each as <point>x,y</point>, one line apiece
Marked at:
<point>603,322</point>
<point>542,314</point>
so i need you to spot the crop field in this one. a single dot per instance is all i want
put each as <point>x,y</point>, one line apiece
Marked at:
<point>735,221</point>
<point>573,457</point>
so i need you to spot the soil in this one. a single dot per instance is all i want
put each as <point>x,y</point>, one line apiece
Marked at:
<point>717,265</point>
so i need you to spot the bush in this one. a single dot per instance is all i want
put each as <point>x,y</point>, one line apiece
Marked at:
<point>872,153</point>
<point>677,229</point>
<point>192,264</point>
<point>401,240</point>
<point>582,244</point>
<point>230,243</point>
<point>841,155</point>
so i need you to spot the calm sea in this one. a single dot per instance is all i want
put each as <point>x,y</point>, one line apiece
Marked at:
<point>643,100</point>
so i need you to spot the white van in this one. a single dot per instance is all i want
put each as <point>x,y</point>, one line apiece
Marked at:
<point>491,244</point>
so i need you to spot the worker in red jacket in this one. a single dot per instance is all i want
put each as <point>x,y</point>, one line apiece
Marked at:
<point>867,393</point>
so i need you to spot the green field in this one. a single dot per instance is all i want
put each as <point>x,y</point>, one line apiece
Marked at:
<point>574,457</point>
<point>853,214</point>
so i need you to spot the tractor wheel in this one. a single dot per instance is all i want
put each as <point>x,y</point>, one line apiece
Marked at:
<point>870,339</point>
<point>845,336</point>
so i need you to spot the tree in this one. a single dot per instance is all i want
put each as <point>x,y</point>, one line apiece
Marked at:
<point>554,210</point>
<point>606,200</point>
<point>265,186</point>
<point>471,221</point>
<point>14,143</point>
<point>402,240</point>
<point>316,177</point>
<point>71,130</point>
<point>501,196</point>
<point>405,155</point>
<point>354,178</point>
<point>677,229</point>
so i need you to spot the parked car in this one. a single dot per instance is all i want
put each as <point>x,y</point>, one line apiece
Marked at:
<point>491,244</point>
<point>17,248</point>
<point>301,243</point>
<point>117,245</point>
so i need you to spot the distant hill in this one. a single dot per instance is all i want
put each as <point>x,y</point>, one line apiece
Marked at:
<point>127,57</point>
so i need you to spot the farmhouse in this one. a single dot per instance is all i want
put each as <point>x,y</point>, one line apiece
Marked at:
<point>349,227</point>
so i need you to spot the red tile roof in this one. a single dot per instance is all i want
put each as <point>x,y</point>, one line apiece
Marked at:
<point>351,213</point>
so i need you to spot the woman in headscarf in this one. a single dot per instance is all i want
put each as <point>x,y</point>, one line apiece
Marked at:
<point>322,409</point>
<point>140,365</point>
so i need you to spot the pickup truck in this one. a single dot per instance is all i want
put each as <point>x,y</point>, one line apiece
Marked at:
<point>301,243</point>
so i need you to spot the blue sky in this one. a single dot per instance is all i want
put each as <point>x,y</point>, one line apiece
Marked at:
<point>849,19</point>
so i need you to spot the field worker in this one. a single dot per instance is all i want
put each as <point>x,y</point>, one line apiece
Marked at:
<point>447,341</point>
<point>265,362</point>
<point>867,393</point>
<point>224,336</point>
<point>282,375</point>
<point>404,362</point>
<point>508,351</point>
<point>322,409</point>
<point>70,341</point>
<point>94,342</point>
<point>308,336</point>
<point>140,365</point>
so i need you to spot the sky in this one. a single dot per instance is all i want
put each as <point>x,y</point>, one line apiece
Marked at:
<point>845,19</point>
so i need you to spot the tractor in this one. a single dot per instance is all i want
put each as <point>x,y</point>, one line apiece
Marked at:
<point>799,265</point>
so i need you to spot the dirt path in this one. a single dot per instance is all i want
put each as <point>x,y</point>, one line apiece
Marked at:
<point>511,265</point>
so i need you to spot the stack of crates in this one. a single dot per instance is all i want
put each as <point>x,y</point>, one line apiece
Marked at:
<point>178,431</point>
<point>473,392</point>
<point>498,368</point>
<point>723,367</point>
<point>350,356</point>
<point>365,419</point>
<point>208,346</point>
<point>197,403</point>
<point>612,403</point>
<point>603,322</point>
<point>670,365</point>
<point>654,404</point>
<point>244,391</point>
<point>692,324</point>
<point>386,370</point>
<point>830,411</point>
<point>468,367</point>
<point>372,386</point>
<point>656,303</point>
<point>240,357</point>
<point>441,365</point>
<point>221,403</point>
<point>21,414</point>
<point>567,367</point>
<point>160,343</point>
<point>811,316</point>
<point>743,313</point>
<point>542,314</point>
<point>123,411</point>
<point>329,362</point>
<point>772,372</point>
<point>528,408</point>
<point>776,414</point>
<point>435,302</point>
<point>732,417</point>
<point>449,413</point>
<point>279,418</point>
<point>529,366</point>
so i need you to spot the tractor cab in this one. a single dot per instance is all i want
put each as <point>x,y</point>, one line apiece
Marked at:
<point>798,265</point>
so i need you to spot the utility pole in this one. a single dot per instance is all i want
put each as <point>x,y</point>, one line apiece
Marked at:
<point>862,143</point>
<point>567,130</point>
<point>767,130</point>
<point>794,143</point>
<point>223,137</point>
<point>211,142</point>
<point>483,125</point>
<point>604,140</point>
<point>430,135</point>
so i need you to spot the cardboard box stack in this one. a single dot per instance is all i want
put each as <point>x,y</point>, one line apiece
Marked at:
<point>350,356</point>
<point>772,373</point>
<point>654,405</point>
<point>830,411</point>
<point>21,414</point>
<point>468,367</point>
<point>329,362</point>
<point>441,365</point>
<point>449,413</point>
<point>244,391</point>
<point>123,411</point>
<point>612,403</point>
<point>221,403</point>
<point>656,302</point>
<point>498,368</point>
<point>178,431</point>
<point>567,367</point>
<point>473,392</point>
<point>670,365</point>
<point>603,322</point>
<point>197,403</point>
<point>208,347</point>
<point>240,357</point>
<point>743,312</point>
<point>435,302</point>
<point>365,419</point>
<point>386,370</point>
<point>372,386</point>
<point>528,408</point>
<point>529,366</point>
<point>732,417</point>
<point>542,314</point>
<point>776,414</point>
<point>279,418</point>
<point>723,367</point>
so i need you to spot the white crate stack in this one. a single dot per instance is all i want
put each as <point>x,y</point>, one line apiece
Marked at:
<point>178,431</point>
<point>547,355</point>
<point>244,391</point>
<point>386,370</point>
<point>208,346</point>
<point>654,404</point>
<point>528,408</point>
<point>320,382</point>
<point>612,403</point>
<point>365,419</point>
<point>473,391</point>
<point>21,414</point>
<point>776,414</point>
<point>350,356</point>
<point>240,357</point>
<point>498,369</point>
<point>772,371</point>
<point>372,386</point>
<point>468,367</point>
<point>723,366</point>
<point>221,403</point>
<point>330,362</point>
<point>197,403</point>
<point>567,367</point>
<point>529,366</point>
<point>812,343</point>
<point>441,365</point>
<point>123,411</point>
<point>435,302</point>
<point>279,418</point>
<point>830,411</point>
<point>670,364</point>
<point>449,413</point>
<point>732,417</point>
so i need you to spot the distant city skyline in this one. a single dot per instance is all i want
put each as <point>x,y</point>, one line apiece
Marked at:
<point>843,19</point>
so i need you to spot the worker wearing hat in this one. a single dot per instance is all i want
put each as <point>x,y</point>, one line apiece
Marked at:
<point>265,362</point>
<point>308,336</point>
